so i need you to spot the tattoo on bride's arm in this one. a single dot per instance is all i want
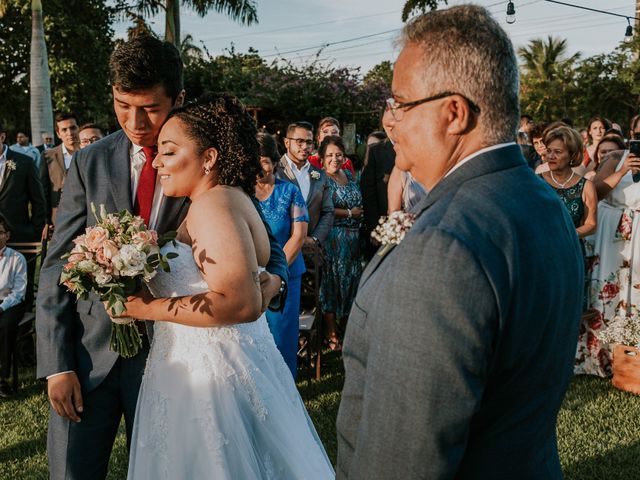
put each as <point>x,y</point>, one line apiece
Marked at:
<point>196,303</point>
<point>201,257</point>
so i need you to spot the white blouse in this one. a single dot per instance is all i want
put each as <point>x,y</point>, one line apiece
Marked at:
<point>13,278</point>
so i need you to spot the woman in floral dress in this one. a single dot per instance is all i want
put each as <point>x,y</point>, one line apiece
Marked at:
<point>342,248</point>
<point>615,269</point>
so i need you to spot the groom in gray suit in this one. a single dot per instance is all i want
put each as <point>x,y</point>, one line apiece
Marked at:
<point>460,343</point>
<point>90,387</point>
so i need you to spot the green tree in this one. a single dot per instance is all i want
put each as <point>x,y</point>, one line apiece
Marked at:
<point>419,6</point>
<point>382,72</point>
<point>78,36</point>
<point>547,79</point>
<point>243,11</point>
<point>41,112</point>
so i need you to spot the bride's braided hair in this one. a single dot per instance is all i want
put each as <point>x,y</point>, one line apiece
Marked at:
<point>220,121</point>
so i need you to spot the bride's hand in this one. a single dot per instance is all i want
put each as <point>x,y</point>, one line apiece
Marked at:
<point>134,306</point>
<point>269,287</point>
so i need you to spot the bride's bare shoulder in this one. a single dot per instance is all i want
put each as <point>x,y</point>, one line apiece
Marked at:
<point>221,196</point>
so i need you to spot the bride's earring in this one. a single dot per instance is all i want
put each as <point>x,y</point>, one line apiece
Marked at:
<point>207,170</point>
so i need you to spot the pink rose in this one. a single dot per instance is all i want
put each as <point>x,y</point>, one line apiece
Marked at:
<point>144,237</point>
<point>110,249</point>
<point>101,258</point>
<point>76,257</point>
<point>80,241</point>
<point>68,266</point>
<point>96,236</point>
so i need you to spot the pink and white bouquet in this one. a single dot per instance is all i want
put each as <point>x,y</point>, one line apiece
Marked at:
<point>112,259</point>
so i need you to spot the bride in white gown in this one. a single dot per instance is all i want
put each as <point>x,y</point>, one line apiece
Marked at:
<point>217,400</point>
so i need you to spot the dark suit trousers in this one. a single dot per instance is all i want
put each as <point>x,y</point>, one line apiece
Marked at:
<point>80,451</point>
<point>9,321</point>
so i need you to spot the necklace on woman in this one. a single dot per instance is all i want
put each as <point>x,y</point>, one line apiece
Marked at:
<point>561,185</point>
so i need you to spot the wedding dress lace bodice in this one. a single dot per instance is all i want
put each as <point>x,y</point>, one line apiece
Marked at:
<point>218,402</point>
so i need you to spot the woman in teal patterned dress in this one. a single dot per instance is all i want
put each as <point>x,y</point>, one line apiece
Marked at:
<point>564,151</point>
<point>342,264</point>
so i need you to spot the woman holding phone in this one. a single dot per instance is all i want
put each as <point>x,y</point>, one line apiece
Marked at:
<point>615,275</point>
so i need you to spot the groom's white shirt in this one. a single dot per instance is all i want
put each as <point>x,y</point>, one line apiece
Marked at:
<point>137,162</point>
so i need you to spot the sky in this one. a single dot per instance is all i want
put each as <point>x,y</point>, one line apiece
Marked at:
<point>362,32</point>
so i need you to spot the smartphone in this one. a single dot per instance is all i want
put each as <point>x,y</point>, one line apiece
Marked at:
<point>634,147</point>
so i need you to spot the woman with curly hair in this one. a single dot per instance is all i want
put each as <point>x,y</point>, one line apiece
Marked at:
<point>217,399</point>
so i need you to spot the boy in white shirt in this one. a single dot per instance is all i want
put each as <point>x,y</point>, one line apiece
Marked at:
<point>13,285</point>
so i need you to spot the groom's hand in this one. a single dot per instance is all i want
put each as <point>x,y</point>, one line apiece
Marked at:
<point>65,395</point>
<point>270,287</point>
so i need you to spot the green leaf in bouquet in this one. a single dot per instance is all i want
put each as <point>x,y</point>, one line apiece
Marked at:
<point>103,212</point>
<point>93,210</point>
<point>171,255</point>
<point>166,238</point>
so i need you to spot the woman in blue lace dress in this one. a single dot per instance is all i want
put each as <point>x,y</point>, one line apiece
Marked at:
<point>285,211</point>
<point>342,264</point>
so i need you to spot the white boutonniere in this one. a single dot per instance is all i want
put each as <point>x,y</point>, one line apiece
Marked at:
<point>392,229</point>
<point>10,166</point>
<point>315,175</point>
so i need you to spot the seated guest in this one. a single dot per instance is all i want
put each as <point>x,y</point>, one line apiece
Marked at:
<point>343,265</point>
<point>285,211</point>
<point>614,274</point>
<point>329,126</point>
<point>89,133</point>
<point>13,287</point>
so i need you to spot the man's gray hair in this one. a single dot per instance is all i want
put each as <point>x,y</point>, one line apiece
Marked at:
<point>467,52</point>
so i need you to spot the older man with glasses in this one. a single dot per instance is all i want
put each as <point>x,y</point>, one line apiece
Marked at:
<point>295,167</point>
<point>458,353</point>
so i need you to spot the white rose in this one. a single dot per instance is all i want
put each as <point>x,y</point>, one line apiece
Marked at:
<point>130,261</point>
<point>102,277</point>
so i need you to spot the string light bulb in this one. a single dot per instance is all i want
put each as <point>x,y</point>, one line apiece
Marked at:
<point>628,34</point>
<point>511,13</point>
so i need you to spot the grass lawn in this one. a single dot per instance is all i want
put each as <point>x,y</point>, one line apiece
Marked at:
<point>598,427</point>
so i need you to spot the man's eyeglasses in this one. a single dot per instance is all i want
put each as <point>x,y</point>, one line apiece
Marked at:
<point>397,109</point>
<point>301,142</point>
<point>89,141</point>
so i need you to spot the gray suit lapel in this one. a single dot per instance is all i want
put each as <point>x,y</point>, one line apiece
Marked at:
<point>286,172</point>
<point>121,168</point>
<point>313,184</point>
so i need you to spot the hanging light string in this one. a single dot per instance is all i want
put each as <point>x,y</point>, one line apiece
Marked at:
<point>592,9</point>
<point>628,34</point>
